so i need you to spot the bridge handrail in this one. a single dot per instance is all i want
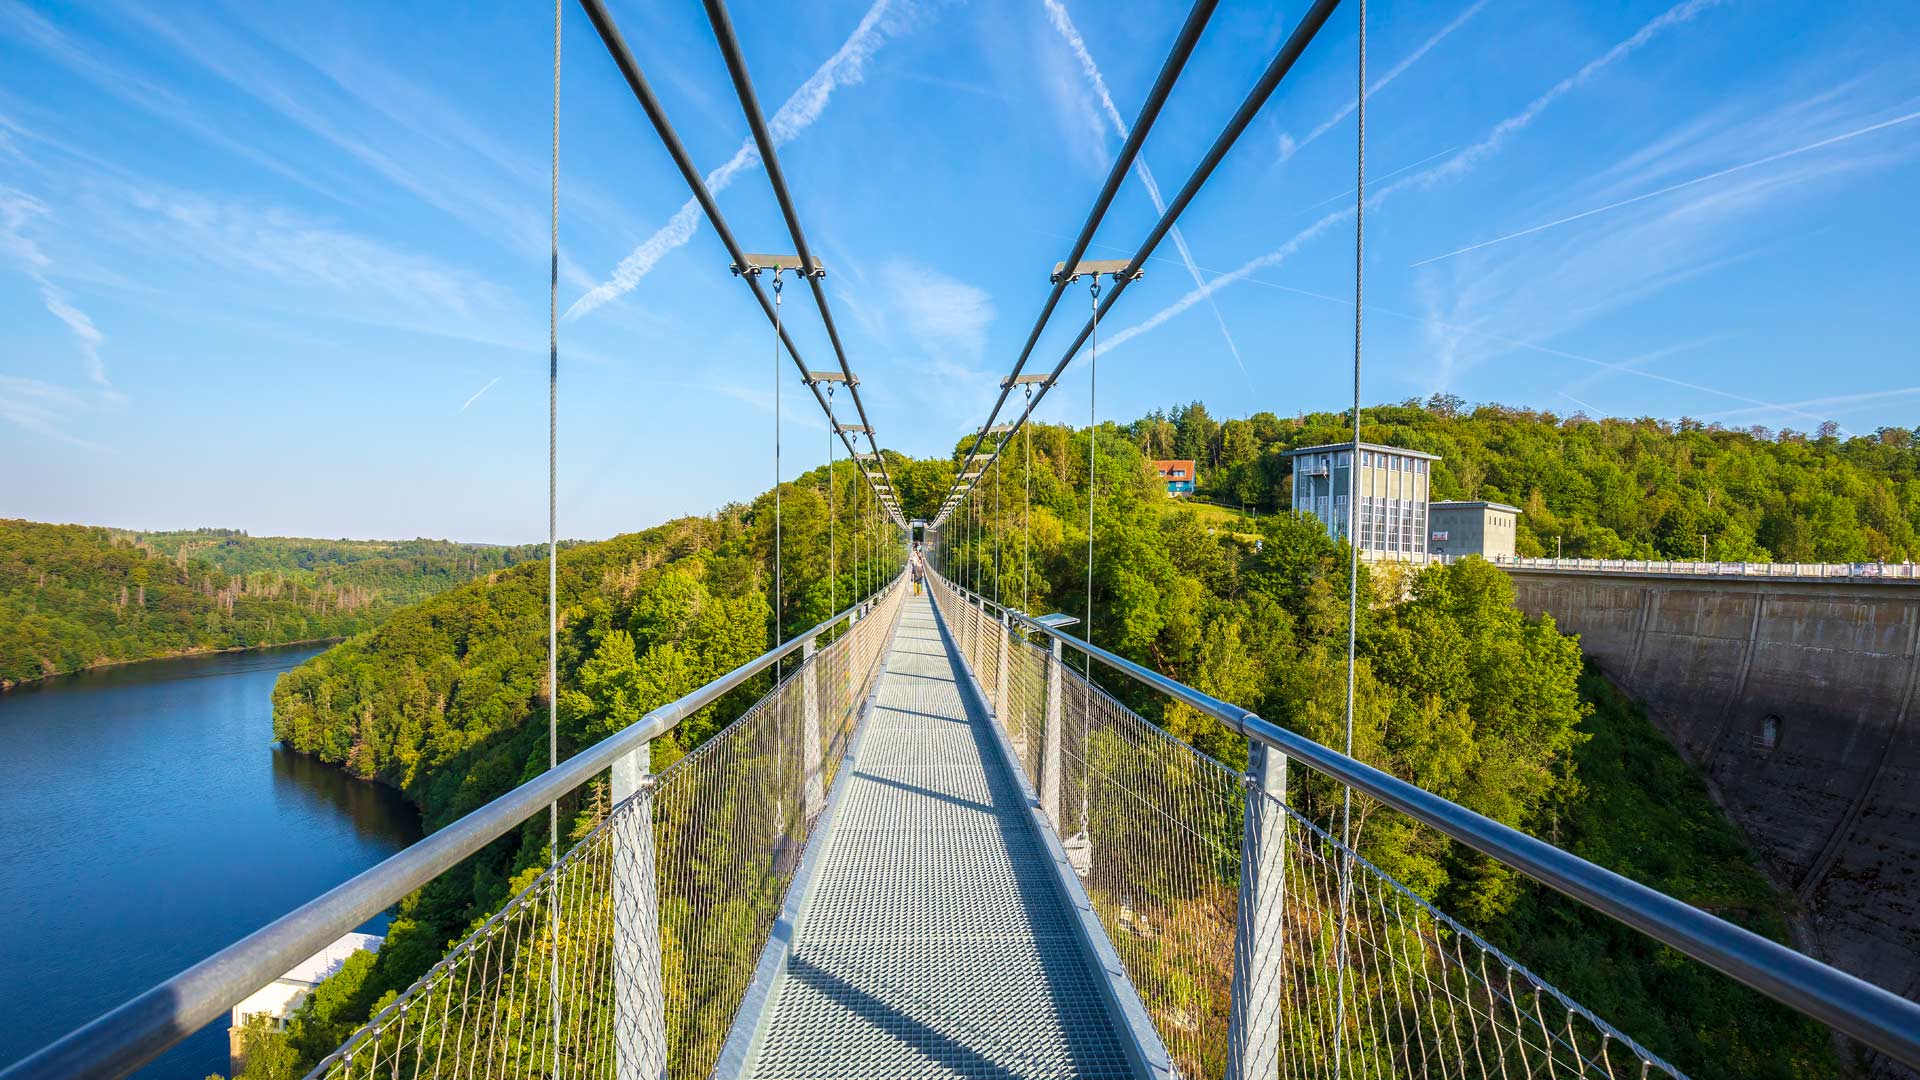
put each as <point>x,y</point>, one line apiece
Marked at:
<point>1850,571</point>
<point>1859,1009</point>
<point>118,1042</point>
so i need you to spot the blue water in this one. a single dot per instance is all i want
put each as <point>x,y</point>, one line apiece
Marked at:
<point>146,820</point>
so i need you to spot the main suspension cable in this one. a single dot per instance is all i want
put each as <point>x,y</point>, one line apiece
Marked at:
<point>623,58</point>
<point>1170,69</point>
<point>1282,63</point>
<point>736,62</point>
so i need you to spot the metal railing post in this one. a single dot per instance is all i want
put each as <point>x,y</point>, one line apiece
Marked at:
<point>1253,1031</point>
<point>640,1014</point>
<point>1050,748</point>
<point>1000,680</point>
<point>816,799</point>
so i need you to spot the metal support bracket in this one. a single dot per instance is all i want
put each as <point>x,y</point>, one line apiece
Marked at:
<point>756,263</point>
<point>1113,268</point>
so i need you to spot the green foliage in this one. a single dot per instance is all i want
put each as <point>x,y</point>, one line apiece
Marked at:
<point>1606,488</point>
<point>73,596</point>
<point>447,699</point>
<point>395,571</point>
<point>1645,813</point>
<point>1456,691</point>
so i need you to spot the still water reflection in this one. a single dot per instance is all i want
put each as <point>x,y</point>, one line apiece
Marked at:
<point>146,820</point>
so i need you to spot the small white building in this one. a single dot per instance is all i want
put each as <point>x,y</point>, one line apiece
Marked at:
<point>1393,488</point>
<point>279,998</point>
<point>1486,529</point>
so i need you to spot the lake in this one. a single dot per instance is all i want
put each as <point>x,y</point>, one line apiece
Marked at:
<point>147,819</point>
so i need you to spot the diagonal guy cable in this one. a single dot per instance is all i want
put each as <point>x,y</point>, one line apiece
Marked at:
<point>643,91</point>
<point>1283,61</point>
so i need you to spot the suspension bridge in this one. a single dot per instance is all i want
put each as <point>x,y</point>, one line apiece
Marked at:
<point>941,845</point>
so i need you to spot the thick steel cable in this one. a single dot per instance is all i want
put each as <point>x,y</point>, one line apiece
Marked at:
<point>999,517</point>
<point>1283,61</point>
<point>623,58</point>
<point>1353,517</point>
<point>1170,69</point>
<point>553,512</point>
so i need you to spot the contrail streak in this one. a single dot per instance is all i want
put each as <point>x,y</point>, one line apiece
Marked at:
<point>1290,147</point>
<point>1821,403</point>
<point>844,68</point>
<point>482,390</point>
<point>1057,14</point>
<point>1458,163</point>
<point>1671,188</point>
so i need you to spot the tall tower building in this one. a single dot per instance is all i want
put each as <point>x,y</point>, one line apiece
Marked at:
<point>1393,487</point>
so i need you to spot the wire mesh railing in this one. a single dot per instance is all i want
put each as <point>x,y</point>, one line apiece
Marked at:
<point>1263,947</point>
<point>633,953</point>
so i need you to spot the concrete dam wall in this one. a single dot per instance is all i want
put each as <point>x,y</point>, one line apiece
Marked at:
<point>1797,697</point>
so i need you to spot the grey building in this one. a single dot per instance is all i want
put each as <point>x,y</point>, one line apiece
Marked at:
<point>1473,528</point>
<point>1393,489</point>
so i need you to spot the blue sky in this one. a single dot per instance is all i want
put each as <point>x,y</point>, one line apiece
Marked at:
<point>284,269</point>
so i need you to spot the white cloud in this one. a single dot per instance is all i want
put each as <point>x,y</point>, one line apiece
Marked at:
<point>846,67</point>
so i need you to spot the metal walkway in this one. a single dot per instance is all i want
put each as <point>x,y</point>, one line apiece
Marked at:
<point>933,940</point>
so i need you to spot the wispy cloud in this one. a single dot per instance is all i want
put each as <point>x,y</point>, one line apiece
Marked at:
<point>846,67</point>
<point>1457,164</point>
<point>1513,125</point>
<point>1062,22</point>
<point>91,62</point>
<point>476,394</point>
<point>943,315</point>
<point>1671,188</point>
<point>40,407</point>
<point>297,260</point>
<point>1826,406</point>
<point>17,211</point>
<point>1290,146</point>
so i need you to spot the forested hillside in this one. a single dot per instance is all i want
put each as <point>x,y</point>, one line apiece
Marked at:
<point>1607,488</point>
<point>445,700</point>
<point>73,596</point>
<point>396,571</point>
<point>1456,692</point>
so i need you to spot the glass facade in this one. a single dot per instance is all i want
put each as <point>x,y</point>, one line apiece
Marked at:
<point>1393,490</point>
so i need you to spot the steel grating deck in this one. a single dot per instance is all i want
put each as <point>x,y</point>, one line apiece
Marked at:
<point>932,941</point>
